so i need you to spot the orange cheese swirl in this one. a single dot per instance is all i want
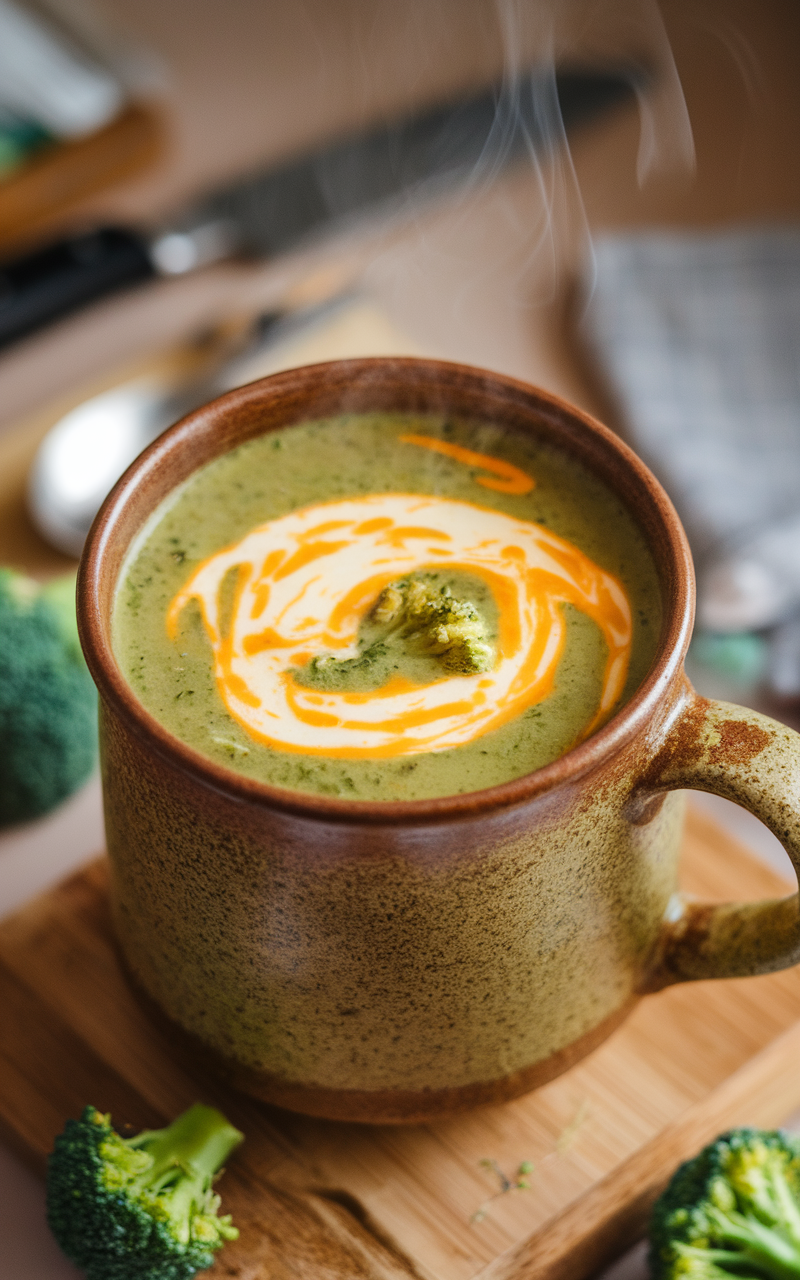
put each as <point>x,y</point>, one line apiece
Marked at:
<point>306,580</point>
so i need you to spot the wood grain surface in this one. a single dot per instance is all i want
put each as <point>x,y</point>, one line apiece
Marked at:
<point>317,1200</point>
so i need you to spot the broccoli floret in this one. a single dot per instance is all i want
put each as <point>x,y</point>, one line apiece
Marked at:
<point>48,703</point>
<point>140,1208</point>
<point>415,617</point>
<point>734,1210</point>
<point>429,615</point>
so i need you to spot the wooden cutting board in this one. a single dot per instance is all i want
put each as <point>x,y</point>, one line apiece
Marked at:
<point>315,1200</point>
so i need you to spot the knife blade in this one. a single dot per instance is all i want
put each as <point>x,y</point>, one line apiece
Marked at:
<point>268,213</point>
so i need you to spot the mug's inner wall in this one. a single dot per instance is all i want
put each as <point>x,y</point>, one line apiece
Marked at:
<point>364,386</point>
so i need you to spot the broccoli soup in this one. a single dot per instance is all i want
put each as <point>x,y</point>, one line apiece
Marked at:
<point>387,606</point>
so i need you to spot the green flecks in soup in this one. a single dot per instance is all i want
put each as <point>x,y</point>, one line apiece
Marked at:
<point>387,606</point>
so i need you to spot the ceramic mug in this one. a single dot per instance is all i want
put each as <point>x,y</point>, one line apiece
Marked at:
<point>400,961</point>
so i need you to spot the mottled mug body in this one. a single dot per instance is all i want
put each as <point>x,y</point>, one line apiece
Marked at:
<point>398,961</point>
<point>389,960</point>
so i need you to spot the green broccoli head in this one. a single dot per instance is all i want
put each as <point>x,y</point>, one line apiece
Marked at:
<point>48,703</point>
<point>140,1208</point>
<point>428,614</point>
<point>734,1210</point>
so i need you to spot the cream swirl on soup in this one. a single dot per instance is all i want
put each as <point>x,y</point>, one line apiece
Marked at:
<point>306,580</point>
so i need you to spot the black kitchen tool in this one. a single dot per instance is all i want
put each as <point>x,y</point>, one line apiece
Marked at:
<point>268,213</point>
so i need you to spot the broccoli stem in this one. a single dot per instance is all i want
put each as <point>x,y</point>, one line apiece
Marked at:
<point>711,1264</point>
<point>777,1256</point>
<point>787,1210</point>
<point>201,1137</point>
<point>186,1155</point>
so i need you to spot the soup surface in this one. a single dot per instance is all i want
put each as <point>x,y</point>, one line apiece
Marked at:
<point>387,606</point>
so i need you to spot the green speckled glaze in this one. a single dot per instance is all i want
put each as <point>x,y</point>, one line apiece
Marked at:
<point>403,971</point>
<point>398,961</point>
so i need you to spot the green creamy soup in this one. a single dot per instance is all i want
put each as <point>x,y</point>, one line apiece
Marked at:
<point>418,632</point>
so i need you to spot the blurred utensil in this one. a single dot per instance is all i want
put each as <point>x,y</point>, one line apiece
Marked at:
<point>85,452</point>
<point>269,213</point>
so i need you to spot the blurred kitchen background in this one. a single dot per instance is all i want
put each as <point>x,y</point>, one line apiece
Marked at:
<point>598,196</point>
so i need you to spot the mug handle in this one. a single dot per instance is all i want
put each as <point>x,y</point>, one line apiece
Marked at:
<point>754,761</point>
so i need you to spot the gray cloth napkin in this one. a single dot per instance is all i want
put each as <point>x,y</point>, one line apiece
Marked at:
<point>698,337</point>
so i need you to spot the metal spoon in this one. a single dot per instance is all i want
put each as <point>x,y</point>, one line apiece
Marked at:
<point>84,454</point>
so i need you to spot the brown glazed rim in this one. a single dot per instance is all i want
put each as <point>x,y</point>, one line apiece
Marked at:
<point>365,385</point>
